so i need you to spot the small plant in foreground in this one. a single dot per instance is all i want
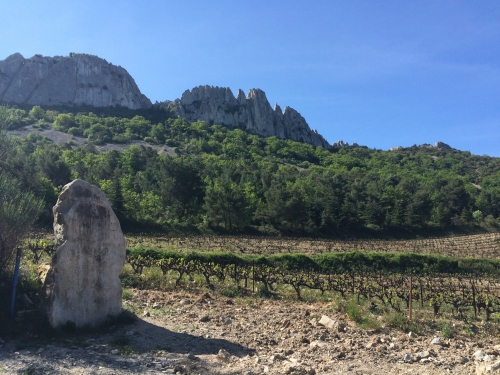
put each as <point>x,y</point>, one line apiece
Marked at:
<point>446,331</point>
<point>127,294</point>
<point>370,323</point>
<point>400,321</point>
<point>354,311</point>
<point>126,350</point>
<point>470,330</point>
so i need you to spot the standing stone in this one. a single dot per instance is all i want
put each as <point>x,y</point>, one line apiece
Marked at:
<point>83,285</point>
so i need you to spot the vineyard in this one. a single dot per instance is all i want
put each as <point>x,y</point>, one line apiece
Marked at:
<point>395,280</point>
<point>469,246</point>
<point>460,273</point>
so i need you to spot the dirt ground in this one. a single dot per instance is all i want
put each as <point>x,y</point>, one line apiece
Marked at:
<point>181,333</point>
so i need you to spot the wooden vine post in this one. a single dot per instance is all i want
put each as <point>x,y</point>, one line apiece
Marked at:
<point>253,276</point>
<point>410,302</point>
<point>474,298</point>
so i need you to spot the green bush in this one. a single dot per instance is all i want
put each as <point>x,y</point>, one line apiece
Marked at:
<point>354,311</point>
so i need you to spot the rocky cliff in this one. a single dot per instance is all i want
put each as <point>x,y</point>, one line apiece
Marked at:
<point>253,113</point>
<point>79,79</point>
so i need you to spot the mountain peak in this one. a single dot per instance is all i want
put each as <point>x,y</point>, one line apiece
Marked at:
<point>78,79</point>
<point>218,105</point>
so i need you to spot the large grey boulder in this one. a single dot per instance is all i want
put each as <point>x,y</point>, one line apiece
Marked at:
<point>253,113</point>
<point>83,285</point>
<point>78,79</point>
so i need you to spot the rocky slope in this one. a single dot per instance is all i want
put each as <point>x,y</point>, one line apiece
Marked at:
<point>79,79</point>
<point>180,333</point>
<point>253,113</point>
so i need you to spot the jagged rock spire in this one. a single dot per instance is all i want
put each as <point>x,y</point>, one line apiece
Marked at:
<point>217,105</point>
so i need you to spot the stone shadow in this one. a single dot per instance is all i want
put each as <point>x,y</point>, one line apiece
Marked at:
<point>149,337</point>
<point>151,348</point>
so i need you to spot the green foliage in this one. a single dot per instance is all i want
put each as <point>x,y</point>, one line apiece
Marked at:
<point>18,211</point>
<point>126,294</point>
<point>5,120</point>
<point>446,331</point>
<point>400,321</point>
<point>331,263</point>
<point>230,180</point>
<point>477,215</point>
<point>353,311</point>
<point>12,118</point>
<point>64,122</point>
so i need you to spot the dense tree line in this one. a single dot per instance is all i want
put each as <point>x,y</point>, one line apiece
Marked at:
<point>232,180</point>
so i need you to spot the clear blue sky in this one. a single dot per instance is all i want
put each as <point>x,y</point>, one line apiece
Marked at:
<point>379,73</point>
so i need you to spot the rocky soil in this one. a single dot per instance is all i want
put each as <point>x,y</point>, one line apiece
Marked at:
<point>180,333</point>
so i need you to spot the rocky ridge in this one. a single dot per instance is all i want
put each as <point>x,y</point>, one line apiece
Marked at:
<point>82,79</point>
<point>438,145</point>
<point>78,79</point>
<point>253,113</point>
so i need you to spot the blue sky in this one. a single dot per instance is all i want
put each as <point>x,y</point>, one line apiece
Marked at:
<point>379,73</point>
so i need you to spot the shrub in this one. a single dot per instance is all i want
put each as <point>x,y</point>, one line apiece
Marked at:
<point>18,211</point>
<point>354,311</point>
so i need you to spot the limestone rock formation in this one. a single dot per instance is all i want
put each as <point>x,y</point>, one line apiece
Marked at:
<point>442,145</point>
<point>218,105</point>
<point>82,79</point>
<point>79,79</point>
<point>83,285</point>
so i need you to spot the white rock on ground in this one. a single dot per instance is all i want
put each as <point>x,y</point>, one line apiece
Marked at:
<point>488,369</point>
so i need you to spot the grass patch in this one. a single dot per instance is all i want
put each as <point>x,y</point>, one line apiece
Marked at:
<point>369,323</point>
<point>400,321</point>
<point>353,311</point>
<point>127,295</point>
<point>358,312</point>
<point>126,350</point>
<point>446,331</point>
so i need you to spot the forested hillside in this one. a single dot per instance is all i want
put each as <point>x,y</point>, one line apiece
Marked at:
<point>226,179</point>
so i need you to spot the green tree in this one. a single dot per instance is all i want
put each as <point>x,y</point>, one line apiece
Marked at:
<point>477,215</point>
<point>226,203</point>
<point>64,121</point>
<point>5,120</point>
<point>37,112</point>
<point>18,211</point>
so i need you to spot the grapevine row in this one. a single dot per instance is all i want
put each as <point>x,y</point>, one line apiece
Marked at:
<point>475,246</point>
<point>436,281</point>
